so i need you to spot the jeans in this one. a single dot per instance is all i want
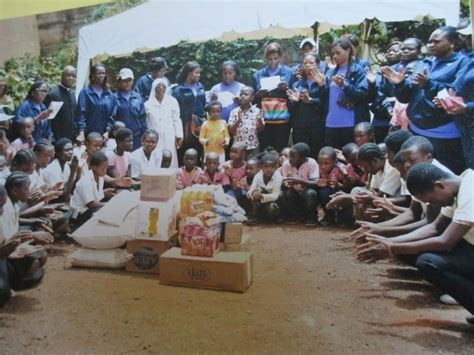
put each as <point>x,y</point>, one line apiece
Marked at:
<point>452,271</point>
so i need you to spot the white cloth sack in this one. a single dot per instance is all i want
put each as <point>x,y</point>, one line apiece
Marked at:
<point>102,259</point>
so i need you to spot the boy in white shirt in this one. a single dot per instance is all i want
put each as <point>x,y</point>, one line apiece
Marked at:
<point>445,247</point>
<point>146,156</point>
<point>265,191</point>
<point>89,192</point>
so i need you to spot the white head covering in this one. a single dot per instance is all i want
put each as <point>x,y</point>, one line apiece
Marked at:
<point>152,96</point>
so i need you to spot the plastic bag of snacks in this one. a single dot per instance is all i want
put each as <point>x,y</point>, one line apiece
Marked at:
<point>200,240</point>
<point>195,200</point>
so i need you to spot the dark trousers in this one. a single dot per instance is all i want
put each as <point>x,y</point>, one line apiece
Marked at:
<point>4,282</point>
<point>269,211</point>
<point>380,134</point>
<point>294,204</point>
<point>453,272</point>
<point>449,152</point>
<point>339,137</point>
<point>313,136</point>
<point>466,126</point>
<point>276,136</point>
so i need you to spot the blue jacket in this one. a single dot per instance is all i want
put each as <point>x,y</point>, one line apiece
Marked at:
<point>355,89</point>
<point>132,113</point>
<point>143,86</point>
<point>96,114</point>
<point>425,118</point>
<point>28,109</point>
<point>188,103</point>
<point>304,115</point>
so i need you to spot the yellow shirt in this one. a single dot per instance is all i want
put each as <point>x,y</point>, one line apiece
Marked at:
<point>216,132</point>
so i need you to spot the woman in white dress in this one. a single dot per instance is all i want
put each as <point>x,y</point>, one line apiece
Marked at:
<point>162,115</point>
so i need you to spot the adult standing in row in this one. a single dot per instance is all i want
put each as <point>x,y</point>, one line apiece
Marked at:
<point>130,107</point>
<point>191,97</point>
<point>63,123</point>
<point>273,102</point>
<point>97,105</point>
<point>419,90</point>
<point>163,116</point>
<point>33,106</point>
<point>347,89</point>
<point>158,69</point>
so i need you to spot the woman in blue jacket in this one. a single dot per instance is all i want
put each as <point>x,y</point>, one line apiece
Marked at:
<point>130,106</point>
<point>346,91</point>
<point>191,97</point>
<point>422,86</point>
<point>33,107</point>
<point>97,105</point>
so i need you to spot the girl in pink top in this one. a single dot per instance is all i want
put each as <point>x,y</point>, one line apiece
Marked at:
<point>189,174</point>
<point>236,170</point>
<point>119,158</point>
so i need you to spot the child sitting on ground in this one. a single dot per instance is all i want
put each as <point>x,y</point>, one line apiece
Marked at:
<point>25,128</point>
<point>5,147</point>
<point>330,181</point>
<point>147,156</point>
<point>252,167</point>
<point>265,191</point>
<point>214,135</point>
<point>236,170</point>
<point>352,172</point>
<point>298,196</point>
<point>364,133</point>
<point>119,158</point>
<point>212,175</point>
<point>93,144</point>
<point>189,174</point>
<point>166,158</point>
<point>246,122</point>
<point>89,192</point>
<point>26,256</point>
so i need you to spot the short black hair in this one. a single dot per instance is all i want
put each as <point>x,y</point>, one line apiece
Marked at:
<point>157,63</point>
<point>93,136</point>
<point>16,179</point>
<point>302,149</point>
<point>22,157</point>
<point>212,104</point>
<point>98,158</point>
<point>421,143</point>
<point>370,151</point>
<point>398,159</point>
<point>365,126</point>
<point>395,140</point>
<point>61,143</point>
<point>450,32</point>
<point>150,132</point>
<point>42,145</point>
<point>122,134</point>
<point>349,148</point>
<point>422,177</point>
<point>233,65</point>
<point>328,151</point>
<point>239,145</point>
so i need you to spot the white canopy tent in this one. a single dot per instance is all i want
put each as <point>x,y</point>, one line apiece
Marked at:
<point>162,23</point>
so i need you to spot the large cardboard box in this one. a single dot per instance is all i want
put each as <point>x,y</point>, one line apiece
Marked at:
<point>230,271</point>
<point>157,184</point>
<point>156,220</point>
<point>146,254</point>
<point>243,246</point>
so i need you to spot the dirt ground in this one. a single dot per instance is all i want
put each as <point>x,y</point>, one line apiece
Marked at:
<point>308,296</point>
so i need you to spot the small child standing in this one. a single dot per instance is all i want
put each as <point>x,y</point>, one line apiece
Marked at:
<point>330,181</point>
<point>265,191</point>
<point>89,192</point>
<point>212,175</point>
<point>119,158</point>
<point>189,174</point>
<point>235,169</point>
<point>246,121</point>
<point>25,126</point>
<point>298,196</point>
<point>214,135</point>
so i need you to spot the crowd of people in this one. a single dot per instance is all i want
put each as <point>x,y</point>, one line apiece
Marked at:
<point>321,142</point>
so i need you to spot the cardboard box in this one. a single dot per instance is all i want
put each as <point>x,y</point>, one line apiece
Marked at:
<point>157,184</point>
<point>243,246</point>
<point>146,254</point>
<point>230,271</point>
<point>156,220</point>
<point>233,233</point>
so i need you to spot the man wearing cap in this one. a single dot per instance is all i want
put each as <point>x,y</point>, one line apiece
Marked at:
<point>466,41</point>
<point>130,109</point>
<point>63,123</point>
<point>307,45</point>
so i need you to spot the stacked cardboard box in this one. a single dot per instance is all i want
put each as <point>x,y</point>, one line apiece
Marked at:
<point>235,239</point>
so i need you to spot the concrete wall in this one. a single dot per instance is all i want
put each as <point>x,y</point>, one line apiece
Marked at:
<point>18,36</point>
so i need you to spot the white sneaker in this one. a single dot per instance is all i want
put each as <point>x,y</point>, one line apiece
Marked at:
<point>447,299</point>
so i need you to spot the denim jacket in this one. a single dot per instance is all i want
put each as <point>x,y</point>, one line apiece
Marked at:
<point>28,109</point>
<point>96,114</point>
<point>132,113</point>
<point>188,103</point>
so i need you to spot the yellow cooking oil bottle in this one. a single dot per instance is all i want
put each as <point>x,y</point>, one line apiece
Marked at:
<point>153,218</point>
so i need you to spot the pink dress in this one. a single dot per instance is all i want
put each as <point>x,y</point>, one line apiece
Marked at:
<point>186,179</point>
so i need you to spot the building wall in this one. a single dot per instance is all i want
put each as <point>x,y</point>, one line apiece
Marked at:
<point>18,36</point>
